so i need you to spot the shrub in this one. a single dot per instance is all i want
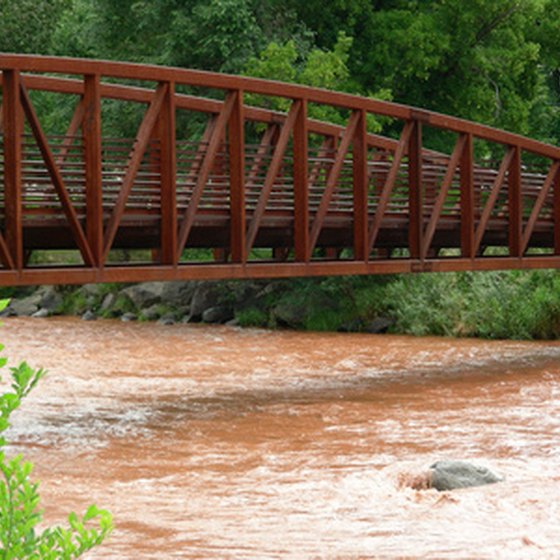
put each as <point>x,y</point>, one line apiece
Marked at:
<point>74,303</point>
<point>252,317</point>
<point>19,498</point>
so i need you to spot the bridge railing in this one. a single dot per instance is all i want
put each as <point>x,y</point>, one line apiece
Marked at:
<point>322,197</point>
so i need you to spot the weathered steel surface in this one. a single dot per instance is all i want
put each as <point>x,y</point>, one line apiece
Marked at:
<point>269,194</point>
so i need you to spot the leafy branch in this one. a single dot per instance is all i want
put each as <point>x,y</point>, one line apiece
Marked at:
<point>19,497</point>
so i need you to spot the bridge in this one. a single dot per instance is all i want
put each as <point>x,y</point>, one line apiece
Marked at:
<point>213,183</point>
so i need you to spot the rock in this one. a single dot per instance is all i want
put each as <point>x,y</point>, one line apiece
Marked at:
<point>127,317</point>
<point>449,475</point>
<point>183,310</point>
<point>25,307</point>
<point>152,313</point>
<point>178,294</point>
<point>217,314</point>
<point>233,322</point>
<point>108,301</point>
<point>90,290</point>
<point>7,312</point>
<point>379,325</point>
<point>89,315</point>
<point>41,313</point>
<point>167,319</point>
<point>247,294</point>
<point>206,295</point>
<point>49,298</point>
<point>355,325</point>
<point>144,294</point>
<point>289,314</point>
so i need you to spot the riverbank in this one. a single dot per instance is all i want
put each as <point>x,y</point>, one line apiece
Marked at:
<point>512,304</point>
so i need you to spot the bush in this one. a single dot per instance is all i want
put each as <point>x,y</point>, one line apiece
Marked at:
<point>507,304</point>
<point>19,498</point>
<point>74,303</point>
<point>252,317</point>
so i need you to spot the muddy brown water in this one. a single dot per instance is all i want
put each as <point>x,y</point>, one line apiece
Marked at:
<point>216,442</point>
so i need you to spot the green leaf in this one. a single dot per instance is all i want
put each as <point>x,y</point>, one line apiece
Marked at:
<point>19,497</point>
<point>92,511</point>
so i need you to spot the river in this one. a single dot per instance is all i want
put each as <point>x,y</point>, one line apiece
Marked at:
<point>217,442</point>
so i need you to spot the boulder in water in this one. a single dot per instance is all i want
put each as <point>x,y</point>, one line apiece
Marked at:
<point>449,475</point>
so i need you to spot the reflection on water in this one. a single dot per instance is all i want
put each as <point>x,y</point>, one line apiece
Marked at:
<point>223,443</point>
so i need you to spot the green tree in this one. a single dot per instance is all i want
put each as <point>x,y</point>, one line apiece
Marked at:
<point>215,35</point>
<point>546,112</point>
<point>492,61</point>
<point>316,67</point>
<point>27,25</point>
<point>479,60</point>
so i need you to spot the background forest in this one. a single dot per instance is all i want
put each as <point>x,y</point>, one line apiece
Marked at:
<point>492,61</point>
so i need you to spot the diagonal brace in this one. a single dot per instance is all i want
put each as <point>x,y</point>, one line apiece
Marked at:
<point>217,132</point>
<point>56,177</point>
<point>491,202</point>
<point>272,173</point>
<point>389,184</point>
<point>138,150</point>
<point>333,178</point>
<point>539,203</point>
<point>442,195</point>
<point>70,135</point>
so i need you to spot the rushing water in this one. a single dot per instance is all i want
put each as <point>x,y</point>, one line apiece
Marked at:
<point>225,443</point>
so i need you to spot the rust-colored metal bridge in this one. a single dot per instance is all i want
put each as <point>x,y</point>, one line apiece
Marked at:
<point>266,193</point>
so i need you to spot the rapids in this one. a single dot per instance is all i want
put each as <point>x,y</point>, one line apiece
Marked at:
<point>217,442</point>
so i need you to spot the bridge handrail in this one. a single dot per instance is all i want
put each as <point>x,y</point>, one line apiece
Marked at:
<point>200,78</point>
<point>201,104</point>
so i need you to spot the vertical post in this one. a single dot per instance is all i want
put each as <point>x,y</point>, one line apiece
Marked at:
<point>220,255</point>
<point>415,226</point>
<point>467,199</point>
<point>236,137</point>
<point>556,213</point>
<point>13,131</point>
<point>360,182</point>
<point>167,143</point>
<point>91,133</point>
<point>301,186</point>
<point>514,204</point>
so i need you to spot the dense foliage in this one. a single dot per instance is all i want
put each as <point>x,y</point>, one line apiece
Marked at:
<point>493,61</point>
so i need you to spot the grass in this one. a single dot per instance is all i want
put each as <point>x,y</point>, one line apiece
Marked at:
<point>252,317</point>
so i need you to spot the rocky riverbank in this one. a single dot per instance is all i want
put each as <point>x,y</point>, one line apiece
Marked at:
<point>275,304</point>
<point>506,305</point>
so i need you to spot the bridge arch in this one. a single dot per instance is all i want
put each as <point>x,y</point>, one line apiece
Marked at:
<point>270,193</point>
